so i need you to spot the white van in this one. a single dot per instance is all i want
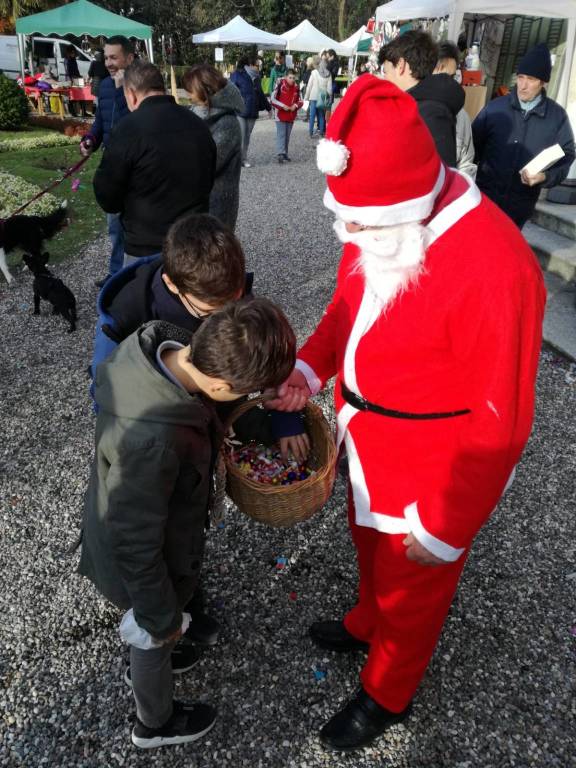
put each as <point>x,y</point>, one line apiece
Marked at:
<point>45,52</point>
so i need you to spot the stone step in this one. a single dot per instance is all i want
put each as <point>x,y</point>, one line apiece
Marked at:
<point>557,256</point>
<point>556,252</point>
<point>560,219</point>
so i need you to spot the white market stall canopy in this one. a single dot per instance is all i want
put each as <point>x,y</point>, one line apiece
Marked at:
<point>306,38</point>
<point>238,31</point>
<point>359,42</point>
<point>455,9</point>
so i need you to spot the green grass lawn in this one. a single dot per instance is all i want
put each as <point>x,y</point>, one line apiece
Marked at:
<point>25,133</point>
<point>40,167</point>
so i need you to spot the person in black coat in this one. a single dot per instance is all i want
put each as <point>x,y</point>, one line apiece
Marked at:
<point>512,129</point>
<point>408,61</point>
<point>246,78</point>
<point>159,164</point>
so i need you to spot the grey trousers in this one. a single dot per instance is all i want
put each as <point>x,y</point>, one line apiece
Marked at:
<point>283,131</point>
<point>152,684</point>
<point>246,128</point>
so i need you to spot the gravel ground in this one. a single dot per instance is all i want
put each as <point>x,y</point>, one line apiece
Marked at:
<point>499,691</point>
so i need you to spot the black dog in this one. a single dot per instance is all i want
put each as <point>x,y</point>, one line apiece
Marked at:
<point>51,289</point>
<point>28,233</point>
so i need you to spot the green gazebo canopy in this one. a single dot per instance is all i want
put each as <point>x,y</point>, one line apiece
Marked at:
<point>82,18</point>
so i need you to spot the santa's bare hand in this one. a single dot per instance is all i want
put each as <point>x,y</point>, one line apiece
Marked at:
<point>297,445</point>
<point>292,395</point>
<point>419,554</point>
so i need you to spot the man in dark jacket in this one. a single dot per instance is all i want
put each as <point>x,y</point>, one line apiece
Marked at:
<point>408,61</point>
<point>112,107</point>
<point>159,164</point>
<point>512,129</point>
<point>246,78</point>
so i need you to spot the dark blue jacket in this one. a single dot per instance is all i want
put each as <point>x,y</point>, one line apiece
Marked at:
<point>112,107</point>
<point>136,295</point>
<point>506,138</point>
<point>251,91</point>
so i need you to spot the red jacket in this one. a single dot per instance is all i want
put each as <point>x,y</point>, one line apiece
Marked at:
<point>466,336</point>
<point>286,95</point>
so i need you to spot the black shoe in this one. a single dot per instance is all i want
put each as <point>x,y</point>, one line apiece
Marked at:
<point>287,159</point>
<point>189,722</point>
<point>280,159</point>
<point>360,722</point>
<point>333,636</point>
<point>203,630</point>
<point>183,658</point>
<point>100,283</point>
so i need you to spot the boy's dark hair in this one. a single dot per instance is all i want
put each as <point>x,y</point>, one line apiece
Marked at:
<point>202,257</point>
<point>124,42</point>
<point>249,344</point>
<point>143,77</point>
<point>291,72</point>
<point>331,52</point>
<point>416,48</point>
<point>448,50</point>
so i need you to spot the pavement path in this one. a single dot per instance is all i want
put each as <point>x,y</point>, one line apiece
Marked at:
<point>500,690</point>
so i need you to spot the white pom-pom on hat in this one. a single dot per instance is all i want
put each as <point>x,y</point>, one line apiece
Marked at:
<point>332,157</point>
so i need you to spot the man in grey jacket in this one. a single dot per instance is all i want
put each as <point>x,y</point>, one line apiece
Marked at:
<point>145,511</point>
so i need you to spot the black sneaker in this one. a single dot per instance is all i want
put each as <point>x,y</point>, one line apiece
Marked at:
<point>280,159</point>
<point>189,722</point>
<point>183,657</point>
<point>288,159</point>
<point>203,630</point>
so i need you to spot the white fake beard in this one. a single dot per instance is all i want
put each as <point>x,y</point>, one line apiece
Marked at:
<point>391,258</point>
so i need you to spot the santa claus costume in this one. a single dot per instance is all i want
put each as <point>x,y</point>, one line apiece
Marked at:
<point>433,334</point>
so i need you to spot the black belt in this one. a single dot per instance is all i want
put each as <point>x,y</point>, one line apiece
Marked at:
<point>364,405</point>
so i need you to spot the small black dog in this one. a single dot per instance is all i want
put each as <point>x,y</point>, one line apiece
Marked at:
<point>28,233</point>
<point>51,289</point>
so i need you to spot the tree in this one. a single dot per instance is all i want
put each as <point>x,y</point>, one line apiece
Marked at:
<point>14,9</point>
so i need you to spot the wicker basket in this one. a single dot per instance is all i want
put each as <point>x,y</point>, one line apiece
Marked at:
<point>284,505</point>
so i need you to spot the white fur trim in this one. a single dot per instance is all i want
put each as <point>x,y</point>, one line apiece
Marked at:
<point>456,210</point>
<point>416,209</point>
<point>310,375</point>
<point>367,315</point>
<point>364,515</point>
<point>436,546</point>
<point>332,157</point>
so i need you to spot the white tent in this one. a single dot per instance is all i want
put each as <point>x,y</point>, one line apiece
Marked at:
<point>354,40</point>
<point>237,30</point>
<point>455,9</point>
<point>306,38</point>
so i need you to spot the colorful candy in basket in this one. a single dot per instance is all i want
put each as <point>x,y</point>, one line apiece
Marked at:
<point>265,465</point>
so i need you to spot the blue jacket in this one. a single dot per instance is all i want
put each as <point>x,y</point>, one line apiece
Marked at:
<point>506,138</point>
<point>112,107</point>
<point>251,92</point>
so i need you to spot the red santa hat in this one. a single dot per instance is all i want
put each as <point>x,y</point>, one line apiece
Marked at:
<point>381,161</point>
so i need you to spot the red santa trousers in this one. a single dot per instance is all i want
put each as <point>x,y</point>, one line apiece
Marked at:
<point>400,611</point>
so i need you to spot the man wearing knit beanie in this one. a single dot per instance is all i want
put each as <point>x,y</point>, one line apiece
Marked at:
<point>433,335</point>
<point>513,129</point>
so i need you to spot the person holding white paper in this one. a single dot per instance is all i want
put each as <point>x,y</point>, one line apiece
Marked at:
<point>512,130</point>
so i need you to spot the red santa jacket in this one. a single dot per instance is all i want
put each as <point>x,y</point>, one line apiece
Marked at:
<point>467,335</point>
